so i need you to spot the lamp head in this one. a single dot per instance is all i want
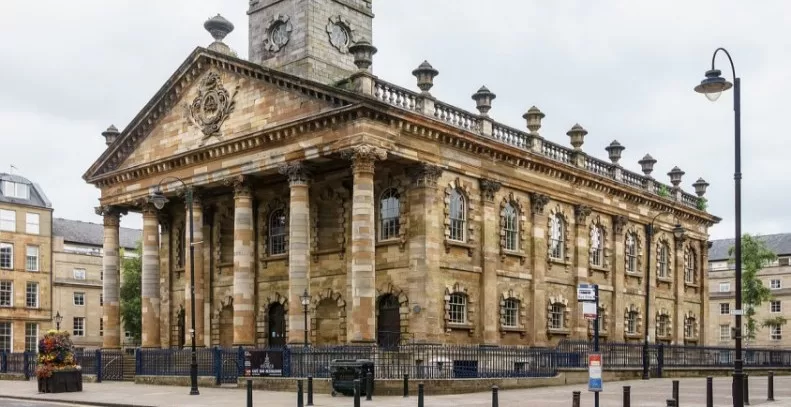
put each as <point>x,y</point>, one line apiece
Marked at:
<point>678,231</point>
<point>158,199</point>
<point>58,317</point>
<point>305,298</point>
<point>713,85</point>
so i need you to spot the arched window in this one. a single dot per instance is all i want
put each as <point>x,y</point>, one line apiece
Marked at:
<point>389,214</point>
<point>662,260</point>
<point>277,232</point>
<point>457,311</point>
<point>691,261</point>
<point>511,313</point>
<point>596,246</point>
<point>458,218</point>
<point>556,237</point>
<point>631,253</point>
<point>557,316</point>
<point>631,322</point>
<point>510,227</point>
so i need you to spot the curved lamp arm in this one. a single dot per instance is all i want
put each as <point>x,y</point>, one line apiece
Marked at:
<point>733,68</point>
<point>159,199</point>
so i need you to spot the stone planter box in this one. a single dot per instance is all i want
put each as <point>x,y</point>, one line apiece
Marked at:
<point>61,382</point>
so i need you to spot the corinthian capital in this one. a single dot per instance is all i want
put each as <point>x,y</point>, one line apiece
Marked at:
<point>489,188</point>
<point>425,175</point>
<point>111,214</point>
<point>241,185</point>
<point>296,172</point>
<point>364,156</point>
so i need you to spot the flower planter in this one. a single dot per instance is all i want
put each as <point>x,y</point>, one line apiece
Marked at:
<point>61,382</point>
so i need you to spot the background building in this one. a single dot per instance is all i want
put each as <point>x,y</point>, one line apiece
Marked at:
<point>77,278</point>
<point>722,293</point>
<point>25,263</point>
<point>403,218</point>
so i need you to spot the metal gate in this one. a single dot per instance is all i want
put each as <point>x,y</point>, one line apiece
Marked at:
<point>229,365</point>
<point>112,365</point>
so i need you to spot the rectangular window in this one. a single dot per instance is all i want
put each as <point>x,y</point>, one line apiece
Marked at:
<point>783,261</point>
<point>6,294</point>
<point>15,190</point>
<point>78,327</point>
<point>775,284</point>
<point>31,295</point>
<point>79,274</point>
<point>458,309</point>
<point>775,307</point>
<point>101,326</point>
<point>31,337</point>
<point>7,220</point>
<point>725,287</point>
<point>725,308</point>
<point>510,313</point>
<point>725,332</point>
<point>79,298</point>
<point>31,258</point>
<point>101,299</point>
<point>31,223</point>
<point>5,337</point>
<point>776,332</point>
<point>6,256</point>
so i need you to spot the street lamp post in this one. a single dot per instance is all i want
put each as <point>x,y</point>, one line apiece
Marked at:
<point>159,200</point>
<point>58,319</point>
<point>678,232</point>
<point>305,299</point>
<point>712,87</point>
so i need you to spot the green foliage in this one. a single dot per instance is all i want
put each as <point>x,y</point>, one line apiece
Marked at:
<point>775,321</point>
<point>702,204</point>
<point>663,191</point>
<point>755,255</point>
<point>130,293</point>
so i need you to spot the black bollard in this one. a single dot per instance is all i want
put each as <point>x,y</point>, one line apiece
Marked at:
<point>709,392</point>
<point>495,401</point>
<point>406,384</point>
<point>770,391</point>
<point>356,392</point>
<point>369,385</point>
<point>675,392</point>
<point>746,389</point>
<point>249,393</point>
<point>671,403</point>
<point>575,399</point>
<point>300,402</point>
<point>420,395</point>
<point>310,391</point>
<point>627,396</point>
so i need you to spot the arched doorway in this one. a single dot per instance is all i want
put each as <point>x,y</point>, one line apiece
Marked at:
<point>328,322</point>
<point>388,321</point>
<point>180,329</point>
<point>277,325</point>
<point>226,327</point>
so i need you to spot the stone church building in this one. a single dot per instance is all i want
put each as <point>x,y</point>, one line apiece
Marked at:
<point>403,218</point>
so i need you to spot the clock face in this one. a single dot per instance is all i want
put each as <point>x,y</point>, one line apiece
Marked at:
<point>339,37</point>
<point>280,35</point>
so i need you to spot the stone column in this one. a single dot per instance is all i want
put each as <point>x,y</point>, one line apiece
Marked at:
<point>361,327</point>
<point>539,284</point>
<point>164,281</point>
<point>703,292</point>
<point>619,277</point>
<point>490,319</point>
<point>197,257</point>
<point>243,275</point>
<point>581,262</point>
<point>111,284</point>
<point>679,288</point>
<point>298,246</point>
<point>149,287</point>
<point>425,241</point>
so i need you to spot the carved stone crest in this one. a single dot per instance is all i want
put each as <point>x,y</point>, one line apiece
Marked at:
<point>581,213</point>
<point>212,106</point>
<point>489,188</point>
<point>538,202</point>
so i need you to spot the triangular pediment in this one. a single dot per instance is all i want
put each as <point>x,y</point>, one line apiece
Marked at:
<point>212,98</point>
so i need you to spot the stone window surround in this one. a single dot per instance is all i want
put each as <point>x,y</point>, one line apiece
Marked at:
<point>563,302</point>
<point>521,313</point>
<point>663,312</point>
<point>264,212</point>
<point>689,248</point>
<point>597,221</point>
<point>403,309</point>
<point>457,288</point>
<point>689,315</point>
<point>637,312</point>
<point>638,243</point>
<point>566,240</point>
<point>403,219</point>
<point>663,240</point>
<point>313,320</point>
<point>262,321</point>
<point>521,228</point>
<point>470,199</point>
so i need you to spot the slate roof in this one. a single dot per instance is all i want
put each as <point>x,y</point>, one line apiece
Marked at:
<point>77,231</point>
<point>779,243</point>
<point>36,195</point>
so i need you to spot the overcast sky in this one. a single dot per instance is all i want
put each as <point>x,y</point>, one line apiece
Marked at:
<point>622,69</point>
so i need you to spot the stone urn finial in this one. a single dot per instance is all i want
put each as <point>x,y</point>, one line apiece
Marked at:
<point>614,150</point>
<point>483,100</point>
<point>700,187</point>
<point>110,134</point>
<point>577,135</point>
<point>675,176</point>
<point>363,53</point>
<point>647,163</point>
<point>219,27</point>
<point>533,117</point>
<point>425,74</point>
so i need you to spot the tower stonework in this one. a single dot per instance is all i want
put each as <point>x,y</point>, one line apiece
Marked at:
<point>308,38</point>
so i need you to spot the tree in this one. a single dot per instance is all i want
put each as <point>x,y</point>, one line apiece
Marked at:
<point>755,255</point>
<point>130,293</point>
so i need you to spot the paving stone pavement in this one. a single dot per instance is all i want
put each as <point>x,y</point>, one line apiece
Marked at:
<point>651,393</point>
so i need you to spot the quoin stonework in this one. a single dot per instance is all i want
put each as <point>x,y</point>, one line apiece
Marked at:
<point>404,218</point>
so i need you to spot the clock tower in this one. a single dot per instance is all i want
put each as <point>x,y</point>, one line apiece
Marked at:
<point>308,38</point>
